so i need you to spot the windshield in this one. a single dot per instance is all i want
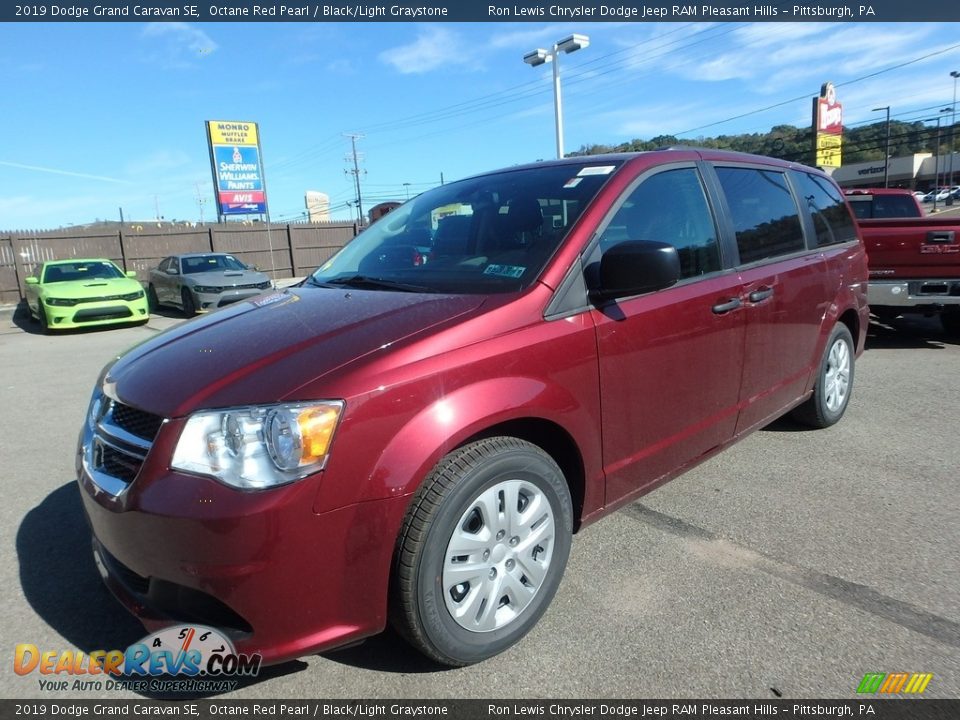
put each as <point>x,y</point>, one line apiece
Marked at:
<point>66,272</point>
<point>488,234</point>
<point>211,263</point>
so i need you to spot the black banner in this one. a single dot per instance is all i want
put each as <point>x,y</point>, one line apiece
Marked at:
<point>585,11</point>
<point>897,709</point>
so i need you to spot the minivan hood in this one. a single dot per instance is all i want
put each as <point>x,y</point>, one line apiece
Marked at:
<point>261,350</point>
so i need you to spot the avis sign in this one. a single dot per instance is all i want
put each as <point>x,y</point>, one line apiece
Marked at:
<point>237,169</point>
<point>827,128</point>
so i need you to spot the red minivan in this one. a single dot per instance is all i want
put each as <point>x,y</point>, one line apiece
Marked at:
<point>417,430</point>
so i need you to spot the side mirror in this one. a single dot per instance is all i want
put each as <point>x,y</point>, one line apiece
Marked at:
<point>635,267</point>
<point>132,274</point>
<point>32,280</point>
<point>172,271</point>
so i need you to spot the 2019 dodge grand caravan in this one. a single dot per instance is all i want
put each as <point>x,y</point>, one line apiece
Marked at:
<point>416,431</point>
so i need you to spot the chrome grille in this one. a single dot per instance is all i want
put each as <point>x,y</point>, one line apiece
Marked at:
<point>116,462</point>
<point>116,442</point>
<point>135,421</point>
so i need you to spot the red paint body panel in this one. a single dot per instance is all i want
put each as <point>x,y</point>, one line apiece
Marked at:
<point>902,249</point>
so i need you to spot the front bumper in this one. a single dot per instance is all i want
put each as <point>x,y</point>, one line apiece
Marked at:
<point>919,294</point>
<point>88,314</point>
<point>262,567</point>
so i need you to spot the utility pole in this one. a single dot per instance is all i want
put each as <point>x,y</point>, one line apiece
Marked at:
<point>356,172</point>
<point>200,202</point>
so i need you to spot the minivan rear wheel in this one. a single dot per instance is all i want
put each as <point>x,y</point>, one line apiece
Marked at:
<point>482,550</point>
<point>831,394</point>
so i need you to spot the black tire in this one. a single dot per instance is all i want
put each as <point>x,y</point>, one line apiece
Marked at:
<point>950,320</point>
<point>189,307</point>
<point>831,394</point>
<point>452,498</point>
<point>153,302</point>
<point>42,317</point>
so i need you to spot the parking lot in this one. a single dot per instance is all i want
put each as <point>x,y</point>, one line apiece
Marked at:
<point>790,565</point>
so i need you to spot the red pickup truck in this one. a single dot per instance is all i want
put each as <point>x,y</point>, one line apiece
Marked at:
<point>914,261</point>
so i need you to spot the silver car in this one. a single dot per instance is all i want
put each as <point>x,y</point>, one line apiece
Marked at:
<point>200,282</point>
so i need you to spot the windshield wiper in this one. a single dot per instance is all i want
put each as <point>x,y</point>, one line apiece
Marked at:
<point>361,281</point>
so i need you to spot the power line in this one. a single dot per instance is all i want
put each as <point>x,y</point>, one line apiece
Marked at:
<point>804,97</point>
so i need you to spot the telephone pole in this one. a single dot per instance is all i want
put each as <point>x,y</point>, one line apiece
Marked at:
<point>356,172</point>
<point>200,202</point>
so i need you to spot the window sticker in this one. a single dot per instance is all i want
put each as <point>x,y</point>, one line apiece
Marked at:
<point>597,170</point>
<point>510,271</point>
<point>573,182</point>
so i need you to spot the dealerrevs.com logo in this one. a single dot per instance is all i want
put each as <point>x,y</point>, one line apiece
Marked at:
<point>182,658</point>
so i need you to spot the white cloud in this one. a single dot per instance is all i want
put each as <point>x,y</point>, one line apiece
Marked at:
<point>61,171</point>
<point>434,47</point>
<point>177,45</point>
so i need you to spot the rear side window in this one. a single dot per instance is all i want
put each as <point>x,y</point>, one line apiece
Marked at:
<point>669,207</point>
<point>763,211</point>
<point>831,218</point>
<point>867,207</point>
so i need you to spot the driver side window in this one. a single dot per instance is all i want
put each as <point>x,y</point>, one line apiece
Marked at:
<point>669,207</point>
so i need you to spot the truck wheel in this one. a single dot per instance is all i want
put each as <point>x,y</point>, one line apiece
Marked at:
<point>950,319</point>
<point>831,394</point>
<point>482,550</point>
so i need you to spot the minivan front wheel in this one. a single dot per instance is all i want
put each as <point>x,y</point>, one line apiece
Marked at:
<point>482,550</point>
<point>831,394</point>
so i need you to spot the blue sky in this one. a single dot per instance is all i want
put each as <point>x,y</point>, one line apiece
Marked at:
<point>103,116</point>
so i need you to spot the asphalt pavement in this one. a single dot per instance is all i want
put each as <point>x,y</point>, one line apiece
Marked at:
<point>790,565</point>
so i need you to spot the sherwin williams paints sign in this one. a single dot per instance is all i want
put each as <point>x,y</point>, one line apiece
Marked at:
<point>237,170</point>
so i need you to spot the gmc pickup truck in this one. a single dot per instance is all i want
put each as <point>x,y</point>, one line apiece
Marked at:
<point>914,266</point>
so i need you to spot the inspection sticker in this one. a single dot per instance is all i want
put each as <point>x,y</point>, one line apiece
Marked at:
<point>511,271</point>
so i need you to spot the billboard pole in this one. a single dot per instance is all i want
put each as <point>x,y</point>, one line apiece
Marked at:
<point>213,170</point>
<point>266,203</point>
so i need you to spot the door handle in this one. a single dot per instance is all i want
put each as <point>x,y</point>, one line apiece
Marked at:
<point>725,307</point>
<point>761,294</point>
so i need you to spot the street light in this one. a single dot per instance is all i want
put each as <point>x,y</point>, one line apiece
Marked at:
<point>936,161</point>
<point>540,56</point>
<point>953,125</point>
<point>886,151</point>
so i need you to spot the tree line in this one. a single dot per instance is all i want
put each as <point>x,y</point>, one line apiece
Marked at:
<point>861,144</point>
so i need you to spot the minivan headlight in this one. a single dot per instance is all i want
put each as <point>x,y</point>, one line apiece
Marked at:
<point>253,448</point>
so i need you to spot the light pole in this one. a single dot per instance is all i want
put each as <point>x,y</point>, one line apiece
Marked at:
<point>953,125</point>
<point>886,151</point>
<point>936,166</point>
<point>540,56</point>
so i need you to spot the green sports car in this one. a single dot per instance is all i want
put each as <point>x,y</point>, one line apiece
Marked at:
<point>79,293</point>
